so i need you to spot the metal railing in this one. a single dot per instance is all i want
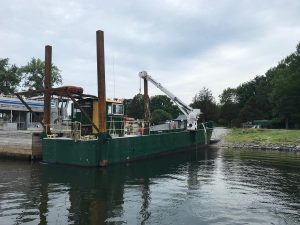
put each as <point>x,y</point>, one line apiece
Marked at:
<point>127,127</point>
<point>68,129</point>
<point>77,130</point>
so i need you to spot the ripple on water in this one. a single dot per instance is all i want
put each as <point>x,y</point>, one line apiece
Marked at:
<point>210,187</point>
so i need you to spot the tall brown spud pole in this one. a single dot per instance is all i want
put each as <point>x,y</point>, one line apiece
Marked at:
<point>146,102</point>
<point>101,81</point>
<point>47,85</point>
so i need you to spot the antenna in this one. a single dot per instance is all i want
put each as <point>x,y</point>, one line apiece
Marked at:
<point>114,76</point>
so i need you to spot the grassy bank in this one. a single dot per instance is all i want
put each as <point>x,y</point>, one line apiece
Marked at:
<point>263,136</point>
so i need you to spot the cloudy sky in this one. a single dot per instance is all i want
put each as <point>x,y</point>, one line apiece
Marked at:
<point>184,44</point>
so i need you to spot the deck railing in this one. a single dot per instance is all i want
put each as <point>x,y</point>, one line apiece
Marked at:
<point>127,127</point>
<point>68,129</point>
<point>77,130</point>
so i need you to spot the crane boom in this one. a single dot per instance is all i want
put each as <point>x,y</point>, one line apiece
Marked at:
<point>191,114</point>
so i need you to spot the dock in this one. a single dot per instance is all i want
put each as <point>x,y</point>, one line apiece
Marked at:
<point>21,144</point>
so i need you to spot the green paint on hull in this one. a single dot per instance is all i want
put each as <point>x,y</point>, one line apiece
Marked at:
<point>89,153</point>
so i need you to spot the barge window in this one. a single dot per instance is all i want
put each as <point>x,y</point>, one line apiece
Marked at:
<point>109,112</point>
<point>118,109</point>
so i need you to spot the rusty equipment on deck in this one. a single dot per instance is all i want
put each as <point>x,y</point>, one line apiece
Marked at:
<point>72,92</point>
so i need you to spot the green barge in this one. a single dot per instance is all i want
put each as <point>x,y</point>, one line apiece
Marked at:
<point>79,143</point>
<point>106,150</point>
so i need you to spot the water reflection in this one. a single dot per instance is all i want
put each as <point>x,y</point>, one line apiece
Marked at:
<point>273,177</point>
<point>208,186</point>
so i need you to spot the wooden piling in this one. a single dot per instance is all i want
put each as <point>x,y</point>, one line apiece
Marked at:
<point>146,102</point>
<point>47,85</point>
<point>101,81</point>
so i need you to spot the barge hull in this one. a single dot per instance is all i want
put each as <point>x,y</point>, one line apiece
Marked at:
<point>117,150</point>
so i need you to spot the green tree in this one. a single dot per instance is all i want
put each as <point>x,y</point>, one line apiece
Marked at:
<point>229,108</point>
<point>9,78</point>
<point>228,96</point>
<point>165,103</point>
<point>285,94</point>
<point>253,99</point>
<point>135,107</point>
<point>159,116</point>
<point>205,101</point>
<point>126,104</point>
<point>34,72</point>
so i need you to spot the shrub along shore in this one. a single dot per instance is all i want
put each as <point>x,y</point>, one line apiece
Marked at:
<point>265,139</point>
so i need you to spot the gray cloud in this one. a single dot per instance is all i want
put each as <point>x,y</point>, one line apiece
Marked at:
<point>184,44</point>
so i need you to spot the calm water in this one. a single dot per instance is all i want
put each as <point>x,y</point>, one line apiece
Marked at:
<point>211,186</point>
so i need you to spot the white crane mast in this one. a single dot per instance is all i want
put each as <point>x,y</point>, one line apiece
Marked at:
<point>191,114</point>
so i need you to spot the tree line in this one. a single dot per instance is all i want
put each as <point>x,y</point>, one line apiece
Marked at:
<point>25,78</point>
<point>273,96</point>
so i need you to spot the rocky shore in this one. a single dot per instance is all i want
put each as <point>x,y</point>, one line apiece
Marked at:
<point>278,147</point>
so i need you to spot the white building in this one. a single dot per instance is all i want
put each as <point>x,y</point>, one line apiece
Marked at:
<point>14,115</point>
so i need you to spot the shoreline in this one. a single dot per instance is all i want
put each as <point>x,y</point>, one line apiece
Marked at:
<point>275,147</point>
<point>222,134</point>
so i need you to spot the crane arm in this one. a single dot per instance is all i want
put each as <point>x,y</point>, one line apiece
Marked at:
<point>185,109</point>
<point>191,114</point>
